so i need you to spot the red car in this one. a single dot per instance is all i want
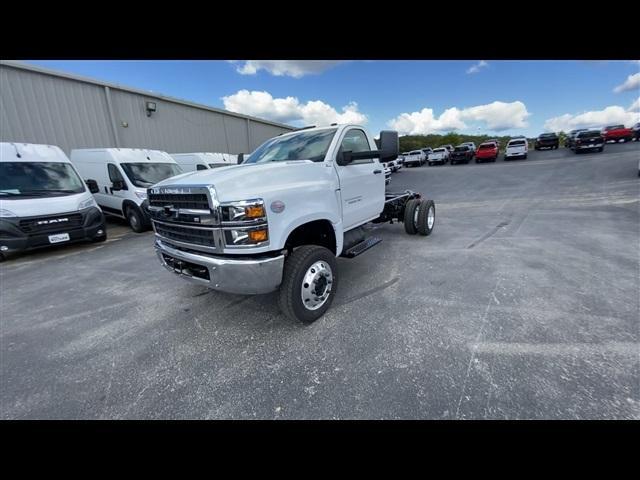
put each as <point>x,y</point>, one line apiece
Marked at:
<point>487,151</point>
<point>617,132</point>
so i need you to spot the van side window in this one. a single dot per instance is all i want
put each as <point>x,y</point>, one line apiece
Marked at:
<point>200,167</point>
<point>114,173</point>
<point>355,141</point>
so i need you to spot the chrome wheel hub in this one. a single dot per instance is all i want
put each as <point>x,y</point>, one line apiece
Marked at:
<point>316,285</point>
<point>431,217</point>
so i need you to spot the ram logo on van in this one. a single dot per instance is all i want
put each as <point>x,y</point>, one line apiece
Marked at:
<point>53,220</point>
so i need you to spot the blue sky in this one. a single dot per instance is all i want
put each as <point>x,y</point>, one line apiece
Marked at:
<point>501,97</point>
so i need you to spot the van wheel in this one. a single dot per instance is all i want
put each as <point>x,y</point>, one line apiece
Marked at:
<point>136,222</point>
<point>426,216</point>
<point>309,283</point>
<point>411,213</point>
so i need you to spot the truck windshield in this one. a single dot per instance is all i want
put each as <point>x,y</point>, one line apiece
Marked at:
<point>461,149</point>
<point>311,145</point>
<point>38,179</point>
<point>516,143</point>
<point>147,174</point>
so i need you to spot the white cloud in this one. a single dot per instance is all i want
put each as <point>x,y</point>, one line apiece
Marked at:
<point>290,109</point>
<point>635,106</point>
<point>631,83</point>
<point>291,68</point>
<point>599,118</point>
<point>478,66</point>
<point>495,116</point>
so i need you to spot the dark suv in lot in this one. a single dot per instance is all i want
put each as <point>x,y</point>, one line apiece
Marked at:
<point>462,153</point>
<point>571,136</point>
<point>589,140</point>
<point>547,140</point>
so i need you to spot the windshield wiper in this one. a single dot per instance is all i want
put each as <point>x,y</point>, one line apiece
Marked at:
<point>44,192</point>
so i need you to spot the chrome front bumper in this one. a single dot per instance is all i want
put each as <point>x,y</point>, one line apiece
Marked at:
<point>242,276</point>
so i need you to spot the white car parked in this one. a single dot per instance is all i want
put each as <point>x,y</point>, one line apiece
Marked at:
<point>191,162</point>
<point>471,145</point>
<point>415,158</point>
<point>43,200</point>
<point>516,148</point>
<point>439,155</point>
<point>123,176</point>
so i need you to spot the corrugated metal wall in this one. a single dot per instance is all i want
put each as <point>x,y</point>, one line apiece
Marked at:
<point>37,107</point>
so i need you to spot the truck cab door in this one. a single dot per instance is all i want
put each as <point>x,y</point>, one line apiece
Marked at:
<point>362,183</point>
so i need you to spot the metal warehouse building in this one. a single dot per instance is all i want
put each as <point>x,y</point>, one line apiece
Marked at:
<point>39,105</point>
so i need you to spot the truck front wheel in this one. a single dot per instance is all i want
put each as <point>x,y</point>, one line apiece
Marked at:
<point>309,283</point>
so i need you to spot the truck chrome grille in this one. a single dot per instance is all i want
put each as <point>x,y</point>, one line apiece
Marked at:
<point>196,201</point>
<point>190,235</point>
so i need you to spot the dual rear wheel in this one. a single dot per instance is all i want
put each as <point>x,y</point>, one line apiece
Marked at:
<point>419,216</point>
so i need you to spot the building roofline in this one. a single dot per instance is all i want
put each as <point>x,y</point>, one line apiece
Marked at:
<point>78,78</point>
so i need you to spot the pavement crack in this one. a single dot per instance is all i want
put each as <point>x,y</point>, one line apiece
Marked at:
<point>371,291</point>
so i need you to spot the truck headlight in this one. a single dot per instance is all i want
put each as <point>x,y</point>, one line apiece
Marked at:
<point>141,195</point>
<point>253,236</point>
<point>4,213</point>
<point>89,202</point>
<point>244,210</point>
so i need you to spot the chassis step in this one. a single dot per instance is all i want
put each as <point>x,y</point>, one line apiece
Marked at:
<point>361,247</point>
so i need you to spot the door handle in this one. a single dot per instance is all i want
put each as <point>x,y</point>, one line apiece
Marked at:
<point>375,172</point>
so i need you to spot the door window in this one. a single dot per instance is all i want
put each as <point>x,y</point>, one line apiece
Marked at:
<point>114,173</point>
<point>355,141</point>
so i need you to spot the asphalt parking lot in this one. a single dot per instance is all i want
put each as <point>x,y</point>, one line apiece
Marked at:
<point>523,304</point>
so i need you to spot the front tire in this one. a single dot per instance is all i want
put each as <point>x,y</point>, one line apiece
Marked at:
<point>309,283</point>
<point>136,222</point>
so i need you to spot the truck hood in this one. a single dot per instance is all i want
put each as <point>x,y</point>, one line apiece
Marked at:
<point>31,207</point>
<point>438,155</point>
<point>241,182</point>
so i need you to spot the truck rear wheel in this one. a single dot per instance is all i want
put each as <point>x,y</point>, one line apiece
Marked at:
<point>411,213</point>
<point>309,283</point>
<point>426,217</point>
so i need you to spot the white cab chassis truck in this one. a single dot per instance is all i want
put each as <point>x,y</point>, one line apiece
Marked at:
<point>280,219</point>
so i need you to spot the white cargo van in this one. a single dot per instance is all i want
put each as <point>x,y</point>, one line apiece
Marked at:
<point>43,200</point>
<point>123,176</point>
<point>190,162</point>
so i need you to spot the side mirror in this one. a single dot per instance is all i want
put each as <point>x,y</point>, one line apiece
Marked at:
<point>92,185</point>
<point>344,158</point>
<point>389,145</point>
<point>117,185</point>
